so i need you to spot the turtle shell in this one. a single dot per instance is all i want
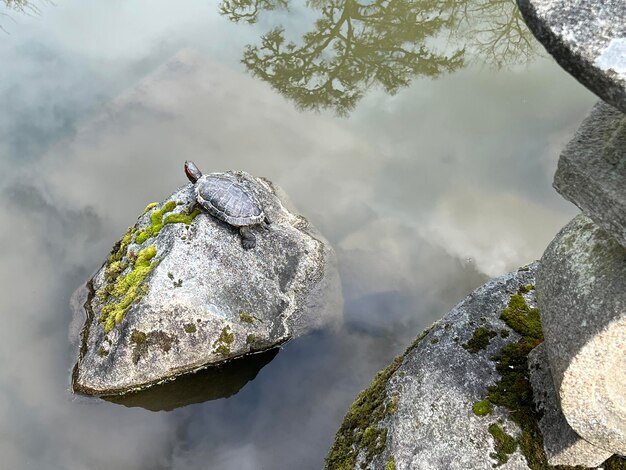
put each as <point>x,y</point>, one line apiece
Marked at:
<point>228,200</point>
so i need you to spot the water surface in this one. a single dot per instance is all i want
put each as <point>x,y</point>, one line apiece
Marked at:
<point>429,173</point>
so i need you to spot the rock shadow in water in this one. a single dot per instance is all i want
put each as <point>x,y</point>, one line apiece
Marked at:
<point>215,382</point>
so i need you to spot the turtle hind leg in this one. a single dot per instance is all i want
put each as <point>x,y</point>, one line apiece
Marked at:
<point>248,240</point>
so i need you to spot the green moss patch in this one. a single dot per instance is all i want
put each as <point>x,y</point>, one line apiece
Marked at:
<point>245,317</point>
<point>526,288</point>
<point>514,390</point>
<point>150,206</point>
<point>120,292</point>
<point>521,318</point>
<point>190,328</point>
<point>391,464</point>
<point>119,249</point>
<point>223,342</point>
<point>504,444</point>
<point>479,340</point>
<point>482,408</point>
<point>181,218</point>
<point>156,219</point>
<point>615,463</point>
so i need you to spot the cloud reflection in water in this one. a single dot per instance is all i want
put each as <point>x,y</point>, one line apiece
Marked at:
<point>401,189</point>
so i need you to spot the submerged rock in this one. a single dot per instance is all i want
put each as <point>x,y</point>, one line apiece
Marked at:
<point>179,293</point>
<point>460,397</point>
<point>581,287</point>
<point>587,38</point>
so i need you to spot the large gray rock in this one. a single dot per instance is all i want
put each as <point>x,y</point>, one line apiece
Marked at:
<point>592,169</point>
<point>560,442</point>
<point>433,408</point>
<point>587,38</point>
<point>581,288</point>
<point>179,293</point>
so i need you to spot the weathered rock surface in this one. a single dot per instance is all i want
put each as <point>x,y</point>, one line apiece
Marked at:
<point>581,288</point>
<point>560,442</point>
<point>433,407</point>
<point>179,293</point>
<point>587,38</point>
<point>592,169</point>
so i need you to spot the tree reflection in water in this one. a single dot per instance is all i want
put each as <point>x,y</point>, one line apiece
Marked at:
<point>356,45</point>
<point>494,31</point>
<point>20,6</point>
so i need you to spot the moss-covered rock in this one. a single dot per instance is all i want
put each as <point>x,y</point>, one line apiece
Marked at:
<point>361,436</point>
<point>450,409</point>
<point>181,278</point>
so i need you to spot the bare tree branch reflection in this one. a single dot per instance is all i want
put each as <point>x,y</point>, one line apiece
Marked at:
<point>20,6</point>
<point>248,10</point>
<point>354,46</point>
<point>359,44</point>
<point>494,32</point>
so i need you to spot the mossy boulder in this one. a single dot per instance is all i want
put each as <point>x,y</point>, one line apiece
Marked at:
<point>444,405</point>
<point>169,299</point>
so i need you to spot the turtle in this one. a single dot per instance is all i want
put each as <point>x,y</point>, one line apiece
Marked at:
<point>227,199</point>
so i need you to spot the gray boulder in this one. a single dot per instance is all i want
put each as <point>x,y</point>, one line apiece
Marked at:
<point>178,293</point>
<point>459,398</point>
<point>592,169</point>
<point>560,442</point>
<point>581,289</point>
<point>587,38</point>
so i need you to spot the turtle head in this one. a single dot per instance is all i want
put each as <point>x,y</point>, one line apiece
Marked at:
<point>192,172</point>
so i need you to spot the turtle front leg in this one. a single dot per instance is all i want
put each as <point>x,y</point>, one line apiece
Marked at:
<point>191,207</point>
<point>248,240</point>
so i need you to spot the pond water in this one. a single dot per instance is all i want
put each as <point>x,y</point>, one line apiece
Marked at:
<point>420,137</point>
